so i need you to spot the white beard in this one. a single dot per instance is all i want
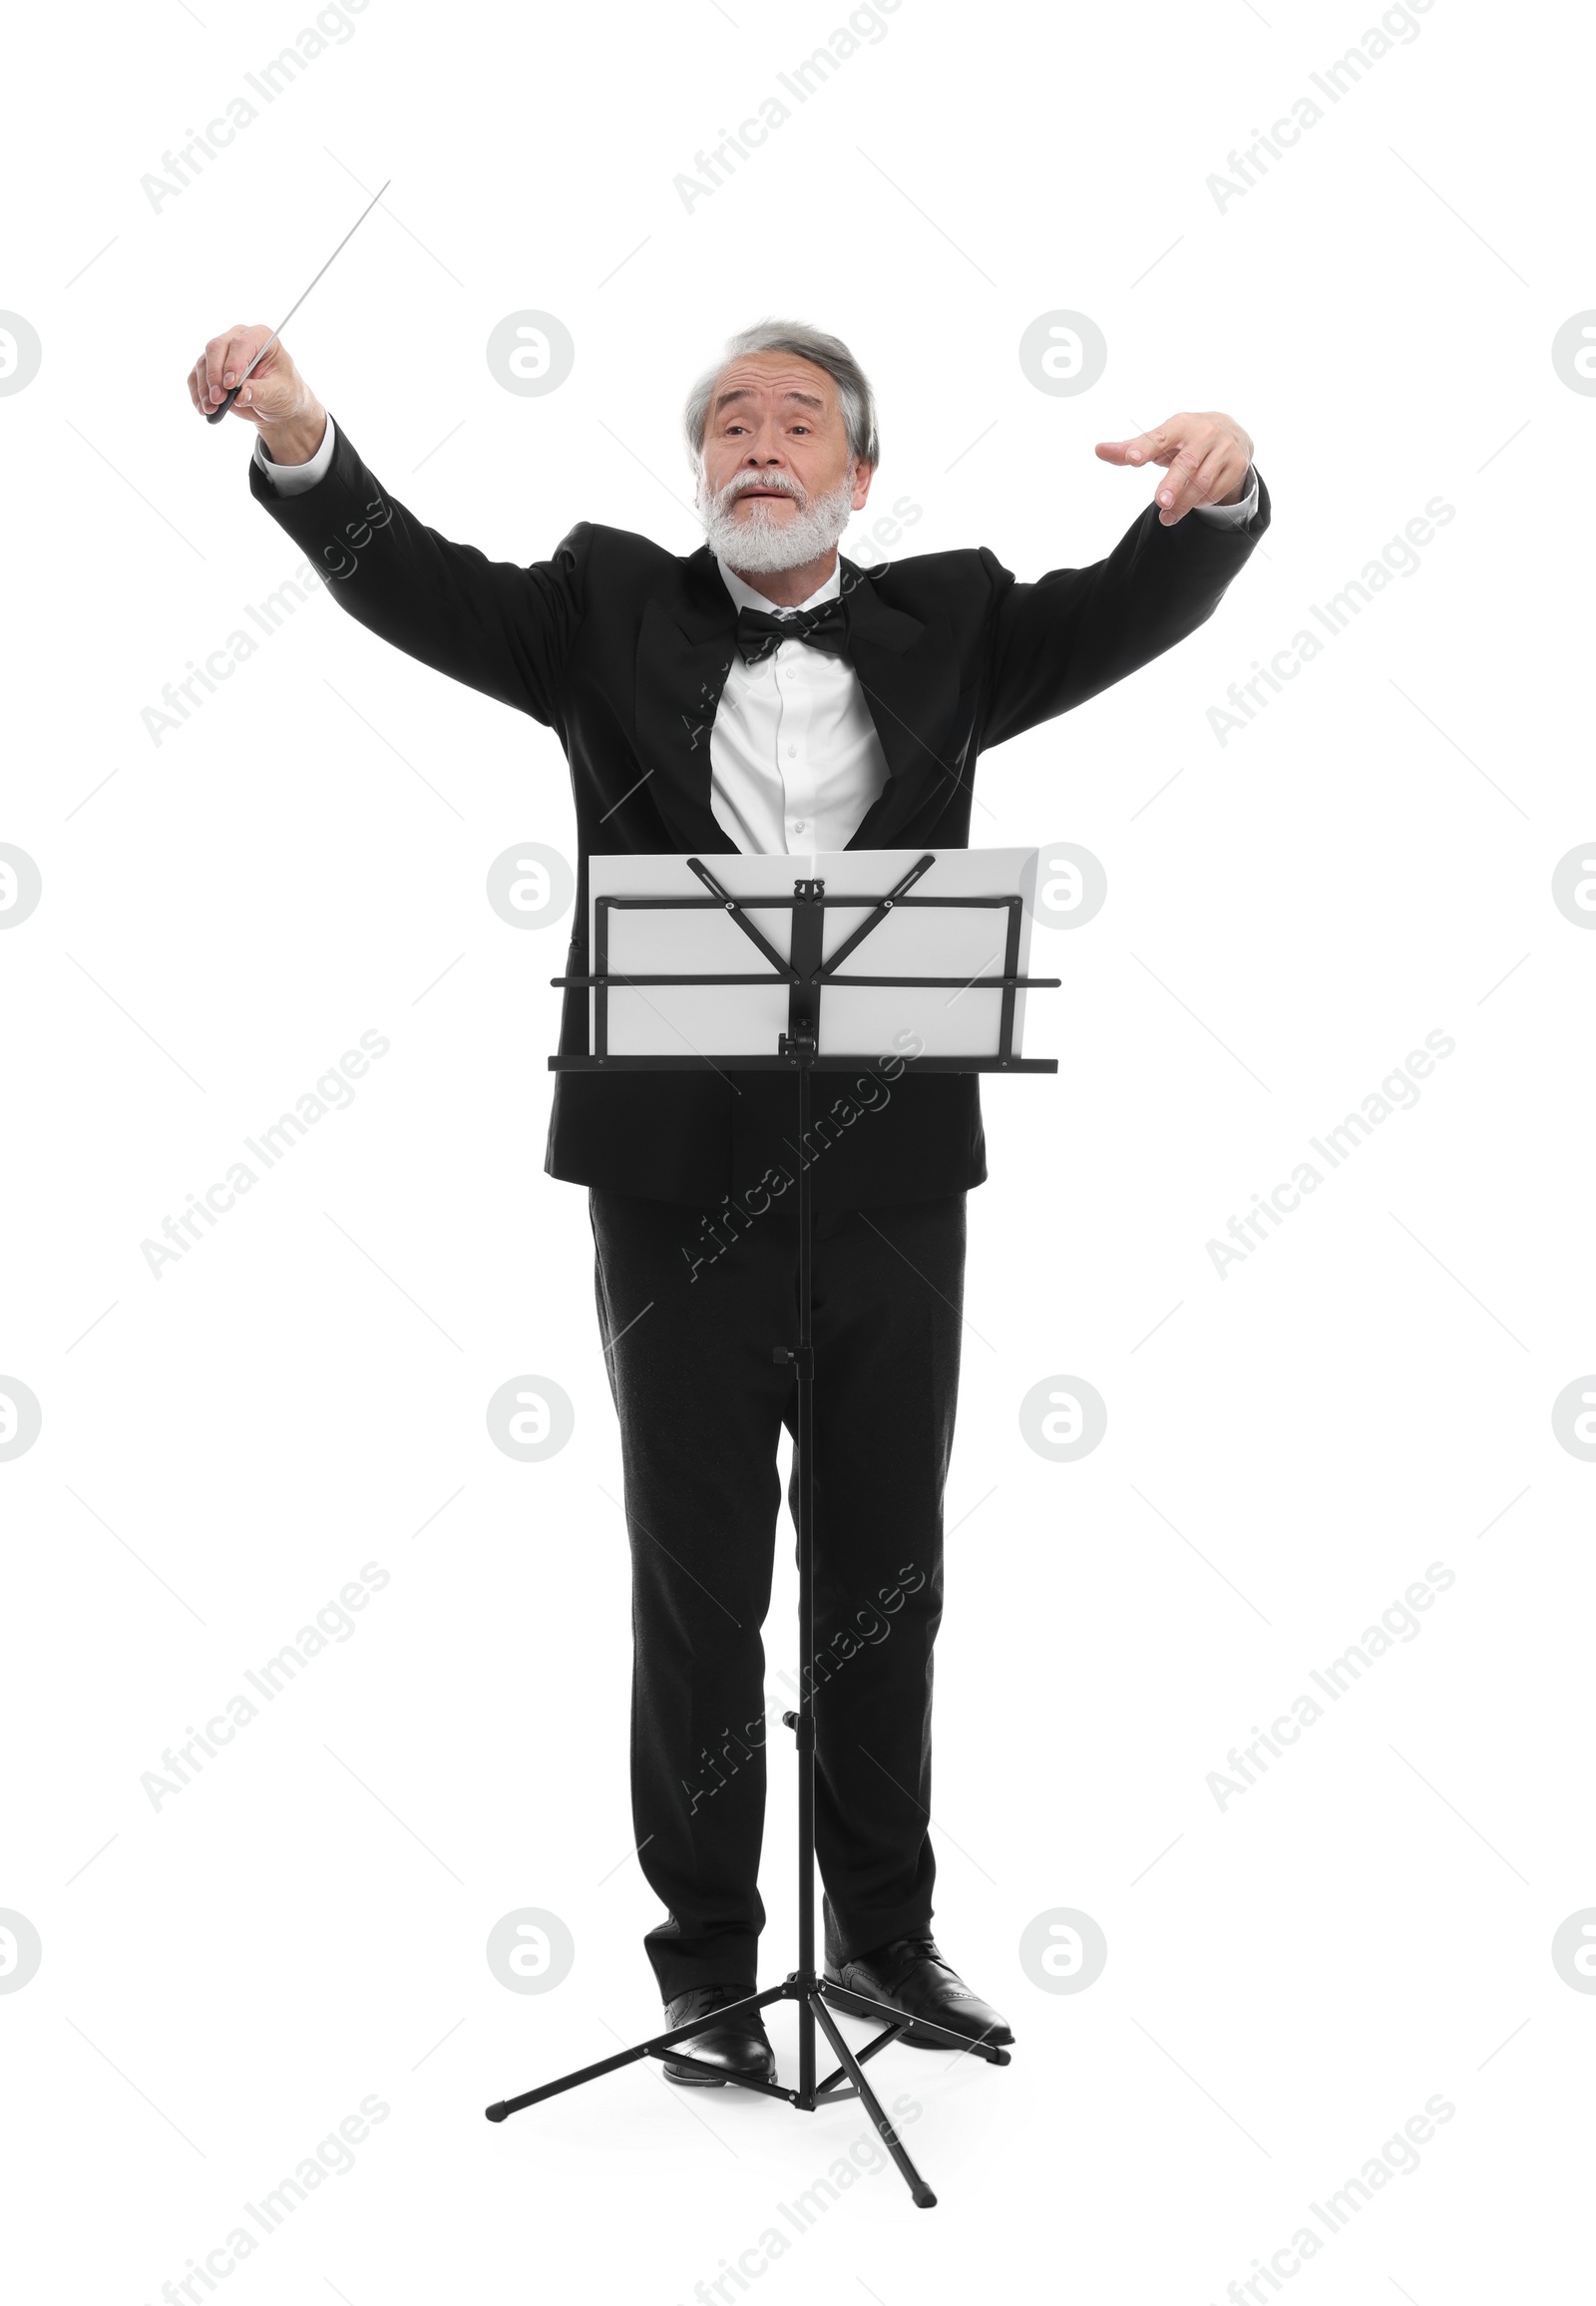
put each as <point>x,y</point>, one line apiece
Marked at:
<point>762,540</point>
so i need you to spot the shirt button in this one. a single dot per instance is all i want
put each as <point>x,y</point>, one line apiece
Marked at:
<point>797,824</point>
<point>792,752</point>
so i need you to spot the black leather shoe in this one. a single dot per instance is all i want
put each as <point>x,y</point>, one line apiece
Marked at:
<point>910,1976</point>
<point>741,2046</point>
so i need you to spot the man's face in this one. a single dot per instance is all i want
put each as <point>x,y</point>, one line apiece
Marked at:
<point>775,441</point>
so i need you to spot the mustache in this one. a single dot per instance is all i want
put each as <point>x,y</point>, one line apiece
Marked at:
<point>746,482</point>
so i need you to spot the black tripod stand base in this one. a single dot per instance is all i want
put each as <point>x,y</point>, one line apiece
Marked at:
<point>847,2080</point>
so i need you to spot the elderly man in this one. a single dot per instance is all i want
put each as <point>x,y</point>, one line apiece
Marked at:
<point>764,694</point>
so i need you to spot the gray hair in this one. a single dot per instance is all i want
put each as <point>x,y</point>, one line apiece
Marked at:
<point>827,352</point>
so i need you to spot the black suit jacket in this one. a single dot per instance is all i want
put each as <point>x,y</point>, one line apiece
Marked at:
<point>622,649</point>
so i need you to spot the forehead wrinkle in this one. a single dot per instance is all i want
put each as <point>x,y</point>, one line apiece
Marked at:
<point>749,392</point>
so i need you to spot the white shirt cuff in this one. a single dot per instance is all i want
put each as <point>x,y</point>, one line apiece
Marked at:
<point>292,479</point>
<point>1217,516</point>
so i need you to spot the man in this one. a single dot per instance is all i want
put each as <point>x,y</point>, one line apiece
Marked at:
<point>762,694</point>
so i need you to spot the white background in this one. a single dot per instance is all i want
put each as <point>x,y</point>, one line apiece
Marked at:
<point>1289,1980</point>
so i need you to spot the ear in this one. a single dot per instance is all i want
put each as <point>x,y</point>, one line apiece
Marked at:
<point>863,476</point>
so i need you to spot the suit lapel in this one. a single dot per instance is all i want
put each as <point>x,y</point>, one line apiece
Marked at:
<point>910,677</point>
<point>685,648</point>
<point>684,652</point>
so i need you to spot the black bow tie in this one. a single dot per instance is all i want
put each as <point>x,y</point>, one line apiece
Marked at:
<point>823,626</point>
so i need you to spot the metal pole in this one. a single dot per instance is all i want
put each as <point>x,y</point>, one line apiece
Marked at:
<point>806,1602</point>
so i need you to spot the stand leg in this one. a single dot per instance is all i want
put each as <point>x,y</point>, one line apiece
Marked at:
<point>656,2045</point>
<point>924,2198</point>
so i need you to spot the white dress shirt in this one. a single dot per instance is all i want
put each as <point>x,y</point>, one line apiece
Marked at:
<point>794,757</point>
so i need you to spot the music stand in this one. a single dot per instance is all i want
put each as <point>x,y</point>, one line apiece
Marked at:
<point>806,974</point>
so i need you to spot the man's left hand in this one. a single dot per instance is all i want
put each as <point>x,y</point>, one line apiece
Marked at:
<point>1207,455</point>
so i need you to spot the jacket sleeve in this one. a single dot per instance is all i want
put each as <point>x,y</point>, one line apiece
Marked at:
<point>1057,643</point>
<point>497,626</point>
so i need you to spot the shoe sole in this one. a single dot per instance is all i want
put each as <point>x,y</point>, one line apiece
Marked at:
<point>709,2082</point>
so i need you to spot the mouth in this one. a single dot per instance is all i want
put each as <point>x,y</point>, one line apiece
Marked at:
<point>763,495</point>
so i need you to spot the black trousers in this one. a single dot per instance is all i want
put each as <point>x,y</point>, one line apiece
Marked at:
<point>701,1404</point>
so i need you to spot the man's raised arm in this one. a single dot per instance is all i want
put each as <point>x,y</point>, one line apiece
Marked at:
<point>497,626</point>
<point>1076,632</point>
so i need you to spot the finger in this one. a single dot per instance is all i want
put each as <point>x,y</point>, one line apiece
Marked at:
<point>1141,449</point>
<point>269,361</point>
<point>212,362</point>
<point>243,345</point>
<point>1214,477</point>
<point>1173,495</point>
<point>226,358</point>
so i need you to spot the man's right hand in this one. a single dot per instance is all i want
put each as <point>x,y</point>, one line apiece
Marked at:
<point>277,400</point>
